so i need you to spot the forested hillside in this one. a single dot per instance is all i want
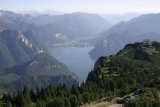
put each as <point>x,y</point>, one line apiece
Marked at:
<point>24,58</point>
<point>132,75</point>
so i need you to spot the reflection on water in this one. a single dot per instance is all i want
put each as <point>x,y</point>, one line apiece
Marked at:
<point>76,59</point>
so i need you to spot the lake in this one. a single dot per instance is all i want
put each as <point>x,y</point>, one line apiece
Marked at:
<point>76,59</point>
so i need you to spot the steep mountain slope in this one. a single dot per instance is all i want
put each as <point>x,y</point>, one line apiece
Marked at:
<point>16,48</point>
<point>135,64</point>
<point>131,76</point>
<point>23,62</point>
<point>41,65</point>
<point>135,30</point>
<point>24,59</point>
<point>40,71</point>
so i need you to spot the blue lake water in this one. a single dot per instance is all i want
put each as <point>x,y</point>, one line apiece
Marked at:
<point>76,59</point>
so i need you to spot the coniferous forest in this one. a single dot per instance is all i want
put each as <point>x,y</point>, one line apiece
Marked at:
<point>135,69</point>
<point>79,53</point>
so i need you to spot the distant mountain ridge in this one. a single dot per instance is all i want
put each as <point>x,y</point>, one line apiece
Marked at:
<point>135,30</point>
<point>117,18</point>
<point>56,28</point>
<point>69,26</point>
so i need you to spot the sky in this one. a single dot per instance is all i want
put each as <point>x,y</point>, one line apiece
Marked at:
<point>91,6</point>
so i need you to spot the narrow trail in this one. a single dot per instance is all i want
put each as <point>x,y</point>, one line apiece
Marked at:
<point>103,103</point>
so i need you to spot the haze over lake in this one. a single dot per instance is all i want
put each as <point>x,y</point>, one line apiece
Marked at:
<point>76,59</point>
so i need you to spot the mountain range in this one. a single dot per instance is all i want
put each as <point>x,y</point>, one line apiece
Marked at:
<point>24,46</point>
<point>135,30</point>
<point>24,57</point>
<point>61,28</point>
<point>130,79</point>
<point>53,29</point>
<point>124,64</point>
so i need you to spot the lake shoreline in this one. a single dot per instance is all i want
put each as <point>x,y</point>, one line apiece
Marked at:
<point>76,59</point>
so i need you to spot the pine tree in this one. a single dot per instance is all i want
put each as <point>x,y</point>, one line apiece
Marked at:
<point>8,104</point>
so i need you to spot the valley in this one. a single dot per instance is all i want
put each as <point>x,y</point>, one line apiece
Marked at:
<point>116,80</point>
<point>75,55</point>
<point>46,49</point>
<point>103,57</point>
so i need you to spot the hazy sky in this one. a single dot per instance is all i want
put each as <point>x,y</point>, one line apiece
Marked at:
<point>94,6</point>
